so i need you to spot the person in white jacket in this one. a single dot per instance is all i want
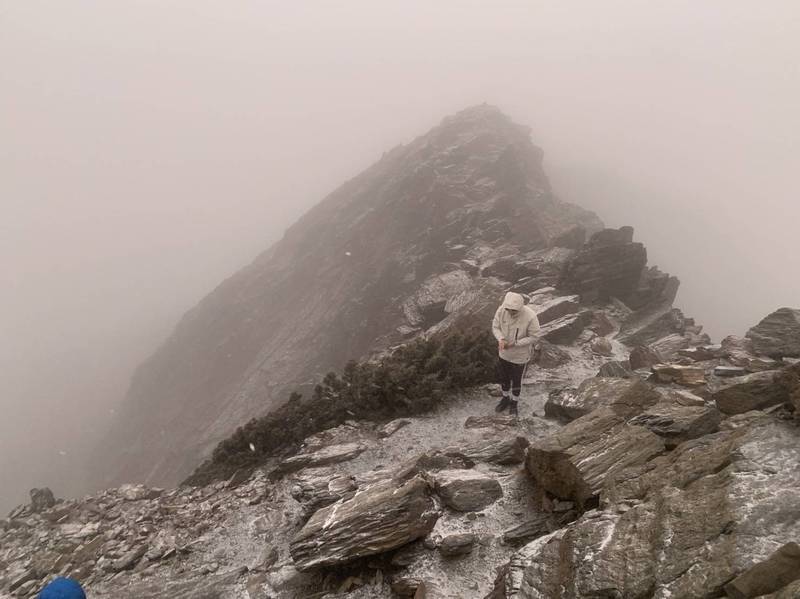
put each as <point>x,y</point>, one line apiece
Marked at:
<point>515,326</point>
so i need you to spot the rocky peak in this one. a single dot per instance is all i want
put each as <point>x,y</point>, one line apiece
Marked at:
<point>419,239</point>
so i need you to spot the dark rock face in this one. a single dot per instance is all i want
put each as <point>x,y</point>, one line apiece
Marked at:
<point>609,265</point>
<point>567,329</point>
<point>41,499</point>
<point>752,392</point>
<point>468,194</point>
<point>383,517</point>
<point>777,335</point>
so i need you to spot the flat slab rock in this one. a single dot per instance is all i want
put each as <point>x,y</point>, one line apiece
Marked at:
<point>332,454</point>
<point>467,490</point>
<point>567,329</point>
<point>556,308</point>
<point>687,376</point>
<point>676,423</point>
<point>382,517</point>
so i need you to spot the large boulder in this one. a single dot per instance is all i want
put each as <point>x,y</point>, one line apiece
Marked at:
<point>380,518</point>
<point>684,524</point>
<point>569,403</point>
<point>740,352</point>
<point>575,462</point>
<point>467,490</point>
<point>751,392</point>
<point>777,335</point>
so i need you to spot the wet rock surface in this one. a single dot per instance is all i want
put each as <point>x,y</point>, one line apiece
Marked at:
<point>777,335</point>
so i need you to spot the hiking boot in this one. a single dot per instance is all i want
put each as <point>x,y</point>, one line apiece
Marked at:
<point>513,408</point>
<point>503,405</point>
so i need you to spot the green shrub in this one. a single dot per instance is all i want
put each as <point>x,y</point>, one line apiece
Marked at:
<point>412,380</point>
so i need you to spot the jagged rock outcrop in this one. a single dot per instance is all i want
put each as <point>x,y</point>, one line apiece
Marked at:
<point>382,517</point>
<point>777,335</point>
<point>464,213</point>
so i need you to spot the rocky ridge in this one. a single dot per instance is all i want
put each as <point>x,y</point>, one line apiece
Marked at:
<point>460,211</point>
<point>658,482</point>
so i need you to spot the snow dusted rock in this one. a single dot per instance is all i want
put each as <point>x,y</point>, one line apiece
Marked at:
<point>777,335</point>
<point>643,356</point>
<point>602,347</point>
<point>669,346</point>
<point>457,544</point>
<point>688,376</point>
<point>752,392</point>
<point>575,462</point>
<point>548,355</point>
<point>138,492</point>
<point>467,490</point>
<point>740,352</point>
<point>619,369</point>
<point>315,488</point>
<point>377,519</point>
<point>390,428</point>
<point>497,449</point>
<point>333,454</point>
<point>677,423</point>
<point>682,525</point>
<point>569,404</point>
<point>565,330</point>
<point>557,308</point>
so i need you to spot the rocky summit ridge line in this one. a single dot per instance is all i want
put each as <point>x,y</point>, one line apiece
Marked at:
<point>414,241</point>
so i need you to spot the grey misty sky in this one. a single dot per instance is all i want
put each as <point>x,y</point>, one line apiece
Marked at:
<point>150,148</point>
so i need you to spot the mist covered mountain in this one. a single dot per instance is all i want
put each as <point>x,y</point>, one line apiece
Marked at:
<point>376,262</point>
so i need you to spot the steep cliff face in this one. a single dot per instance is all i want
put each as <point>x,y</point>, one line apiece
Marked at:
<point>429,232</point>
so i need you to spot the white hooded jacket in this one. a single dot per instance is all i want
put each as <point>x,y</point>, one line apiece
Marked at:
<point>519,329</point>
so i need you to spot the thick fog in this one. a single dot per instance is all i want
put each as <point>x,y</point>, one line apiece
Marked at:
<point>148,149</point>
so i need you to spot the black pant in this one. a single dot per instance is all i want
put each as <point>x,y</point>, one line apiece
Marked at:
<point>510,377</point>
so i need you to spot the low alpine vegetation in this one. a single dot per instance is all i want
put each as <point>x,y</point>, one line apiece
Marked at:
<point>412,380</point>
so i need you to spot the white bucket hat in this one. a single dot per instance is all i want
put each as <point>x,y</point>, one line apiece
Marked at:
<point>513,301</point>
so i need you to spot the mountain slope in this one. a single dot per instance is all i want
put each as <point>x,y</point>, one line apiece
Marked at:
<point>378,261</point>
